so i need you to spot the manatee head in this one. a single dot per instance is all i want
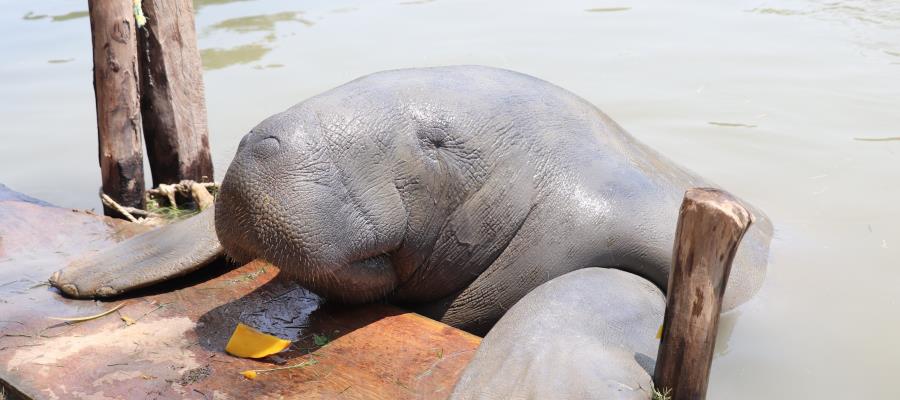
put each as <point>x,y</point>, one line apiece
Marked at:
<point>320,205</point>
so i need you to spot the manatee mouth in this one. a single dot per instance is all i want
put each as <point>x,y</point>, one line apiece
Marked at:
<point>360,281</point>
<point>353,282</point>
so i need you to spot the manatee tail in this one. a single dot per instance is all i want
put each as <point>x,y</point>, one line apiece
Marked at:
<point>146,259</point>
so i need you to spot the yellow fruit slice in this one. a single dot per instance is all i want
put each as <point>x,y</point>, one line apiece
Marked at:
<point>247,342</point>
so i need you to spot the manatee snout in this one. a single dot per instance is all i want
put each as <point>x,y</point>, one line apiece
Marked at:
<point>331,225</point>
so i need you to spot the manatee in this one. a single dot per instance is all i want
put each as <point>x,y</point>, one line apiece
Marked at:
<point>588,334</point>
<point>454,191</point>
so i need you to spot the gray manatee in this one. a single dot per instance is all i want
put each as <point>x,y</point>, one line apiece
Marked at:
<point>589,334</point>
<point>453,190</point>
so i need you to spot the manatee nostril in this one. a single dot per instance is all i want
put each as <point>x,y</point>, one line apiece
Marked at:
<point>266,147</point>
<point>70,289</point>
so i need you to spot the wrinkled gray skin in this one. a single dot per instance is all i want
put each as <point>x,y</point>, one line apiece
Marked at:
<point>453,190</point>
<point>589,334</point>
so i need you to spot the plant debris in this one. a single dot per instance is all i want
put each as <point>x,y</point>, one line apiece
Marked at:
<point>254,373</point>
<point>664,394</point>
<point>320,340</point>
<point>90,317</point>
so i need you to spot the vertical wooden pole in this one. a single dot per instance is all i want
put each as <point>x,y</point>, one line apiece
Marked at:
<point>172,99</point>
<point>118,108</point>
<point>711,224</point>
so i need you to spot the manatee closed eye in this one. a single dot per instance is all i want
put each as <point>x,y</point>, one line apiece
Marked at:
<point>455,190</point>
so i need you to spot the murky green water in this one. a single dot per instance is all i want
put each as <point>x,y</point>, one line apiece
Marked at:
<point>773,100</point>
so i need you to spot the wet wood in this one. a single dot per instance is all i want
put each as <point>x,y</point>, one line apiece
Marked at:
<point>172,99</point>
<point>174,345</point>
<point>711,224</point>
<point>118,107</point>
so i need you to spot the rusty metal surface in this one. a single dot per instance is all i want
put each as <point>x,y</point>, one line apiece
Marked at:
<point>175,347</point>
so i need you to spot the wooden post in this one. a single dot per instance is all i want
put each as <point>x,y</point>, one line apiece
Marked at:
<point>172,99</point>
<point>711,223</point>
<point>118,108</point>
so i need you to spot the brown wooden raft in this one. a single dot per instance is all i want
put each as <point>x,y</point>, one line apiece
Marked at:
<point>169,342</point>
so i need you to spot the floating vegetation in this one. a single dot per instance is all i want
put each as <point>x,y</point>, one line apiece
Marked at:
<point>778,11</point>
<point>731,124</point>
<point>607,9</point>
<point>69,16</point>
<point>31,16</point>
<point>877,139</point>
<point>217,58</point>
<point>269,66</point>
<point>259,23</point>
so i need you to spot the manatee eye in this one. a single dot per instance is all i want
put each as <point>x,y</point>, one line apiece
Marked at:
<point>266,147</point>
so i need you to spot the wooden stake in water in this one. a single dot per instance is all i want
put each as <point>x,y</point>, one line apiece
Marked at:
<point>172,99</point>
<point>711,224</point>
<point>118,106</point>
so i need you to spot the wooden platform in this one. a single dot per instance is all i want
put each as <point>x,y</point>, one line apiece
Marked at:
<point>174,346</point>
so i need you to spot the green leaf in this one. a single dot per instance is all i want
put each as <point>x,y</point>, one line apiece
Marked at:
<point>320,340</point>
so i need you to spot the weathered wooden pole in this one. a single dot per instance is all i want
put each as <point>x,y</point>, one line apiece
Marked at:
<point>118,107</point>
<point>711,224</point>
<point>172,100</point>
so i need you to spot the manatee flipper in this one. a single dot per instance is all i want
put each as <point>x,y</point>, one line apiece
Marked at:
<point>588,334</point>
<point>143,260</point>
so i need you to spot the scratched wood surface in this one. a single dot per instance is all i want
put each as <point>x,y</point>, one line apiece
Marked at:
<point>174,349</point>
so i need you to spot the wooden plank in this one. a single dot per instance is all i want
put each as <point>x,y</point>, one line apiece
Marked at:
<point>175,349</point>
<point>118,107</point>
<point>711,224</point>
<point>172,99</point>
